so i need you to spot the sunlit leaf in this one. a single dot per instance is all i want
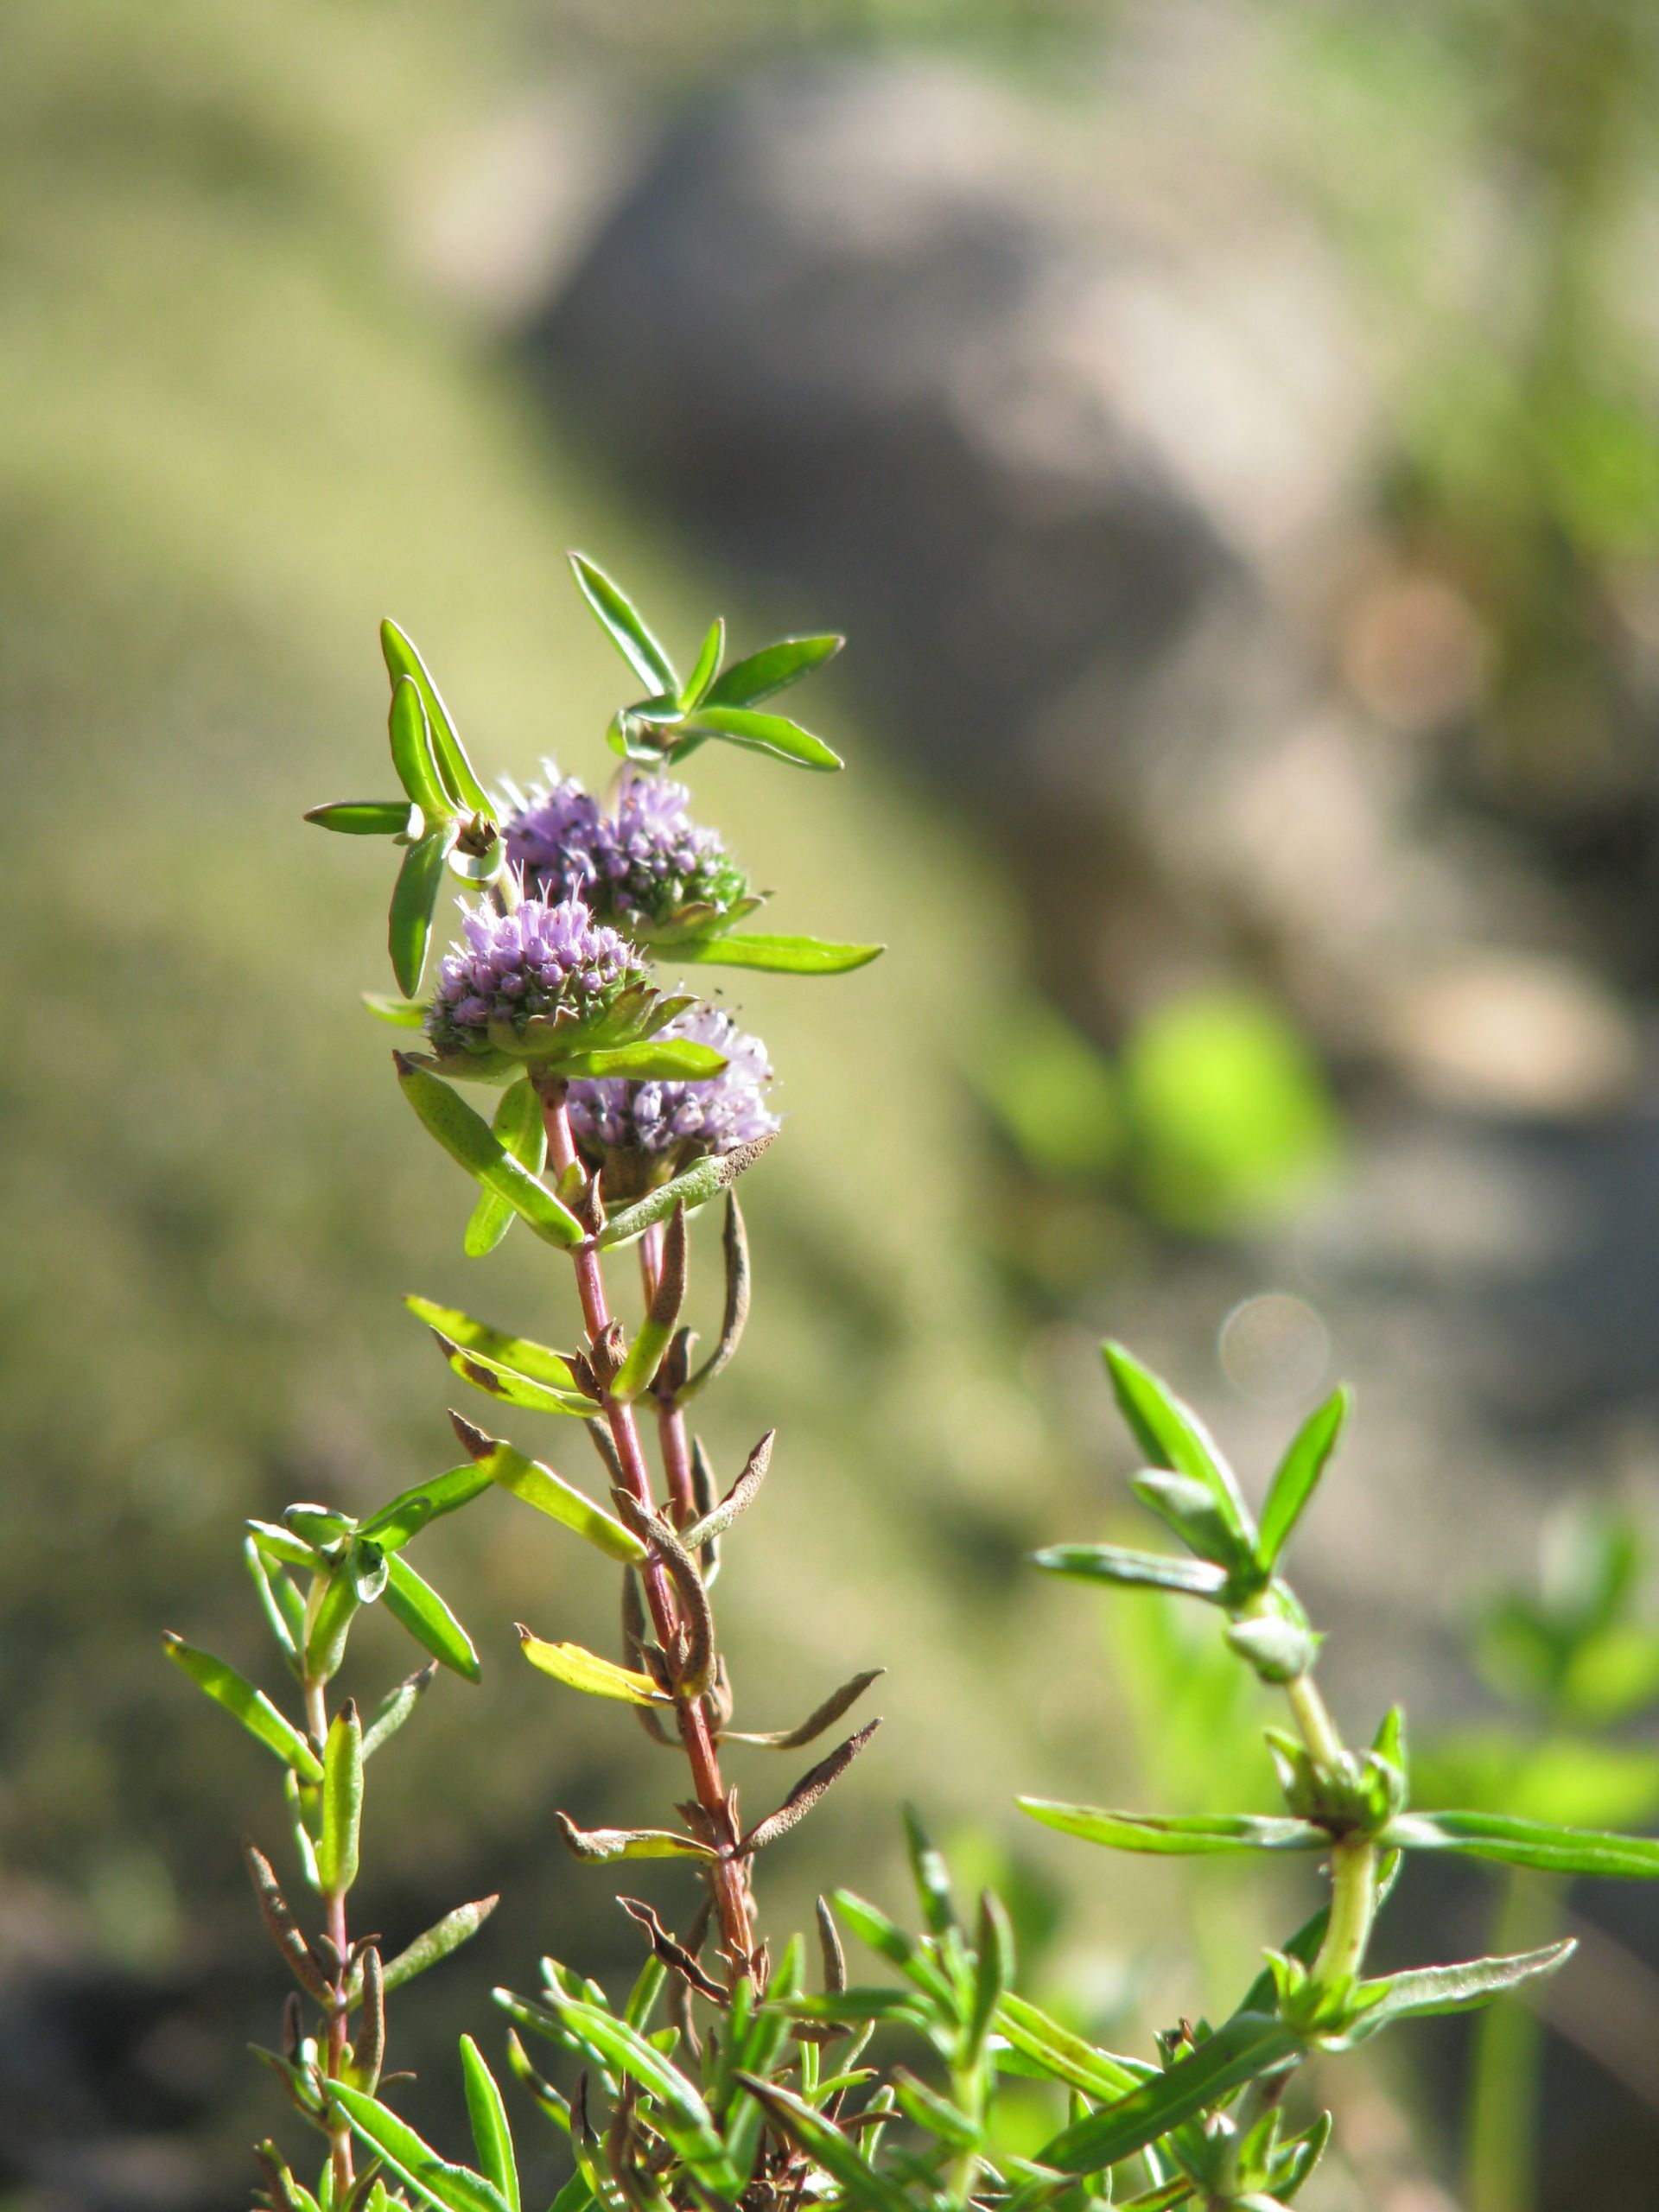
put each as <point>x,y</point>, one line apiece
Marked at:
<point>1300,1471</point>
<point>1172,1435</point>
<point>1145,1570</point>
<point>747,681</point>
<point>518,1123</point>
<point>1247,2046</point>
<point>1448,1989</point>
<point>461,784</point>
<point>469,1139</point>
<point>771,734</point>
<point>364,817</point>
<point>529,1480</point>
<point>585,1670</point>
<point>246,1704</point>
<point>342,1802</point>
<point>433,2180</point>
<point>1526,1843</point>
<point>782,955</point>
<point>1180,1834</point>
<point>414,901</point>
<point>626,626</point>
<point>417,1605</point>
<point>492,2137</point>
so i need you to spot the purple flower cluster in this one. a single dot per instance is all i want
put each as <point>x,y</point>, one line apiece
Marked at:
<point>648,863</point>
<point>664,1125</point>
<point>537,960</point>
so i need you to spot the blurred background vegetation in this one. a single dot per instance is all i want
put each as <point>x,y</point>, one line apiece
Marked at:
<point>1229,433</point>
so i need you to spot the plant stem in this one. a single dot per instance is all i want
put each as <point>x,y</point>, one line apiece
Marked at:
<point>1353,1858</point>
<point>731,1887</point>
<point>339,2137</point>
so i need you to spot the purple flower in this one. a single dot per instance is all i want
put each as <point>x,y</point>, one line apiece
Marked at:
<point>645,1132</point>
<point>538,962</point>
<point>552,839</point>
<point>648,863</point>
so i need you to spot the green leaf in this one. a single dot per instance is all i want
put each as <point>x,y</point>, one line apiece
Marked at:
<point>872,1927</point>
<point>460,783</point>
<point>518,1123</point>
<point>935,2115</point>
<point>492,2136</point>
<point>585,1670</point>
<point>1299,1473</point>
<point>690,1189</point>
<point>1142,1570</point>
<point>930,1873</point>
<point>524,1356</point>
<point>1247,2046</point>
<point>626,627</point>
<point>653,1059</point>
<point>409,1513</point>
<point>395,1708</point>
<point>680,2113</point>
<point>548,1493</point>
<point>598,1846</point>
<point>707,666</point>
<point>412,754</point>
<point>782,955</point>
<point>1526,1843</point>
<point>250,1706</point>
<point>512,1388</point>
<point>1097,2073</point>
<point>364,817</point>
<point>414,901</point>
<point>437,1941</point>
<point>452,2189</point>
<point>1448,1989</point>
<point>1281,1650</point>
<point>280,1602</point>
<point>419,1607</point>
<point>1180,1834</point>
<point>1172,1435</point>
<point>862,2187</point>
<point>1189,1508</point>
<point>747,682</point>
<point>993,1965</point>
<point>771,734</point>
<point>342,1802</point>
<point>399,1014</point>
<point>469,1139</point>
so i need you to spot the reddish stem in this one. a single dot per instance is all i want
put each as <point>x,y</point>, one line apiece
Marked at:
<point>731,1890</point>
<point>671,1422</point>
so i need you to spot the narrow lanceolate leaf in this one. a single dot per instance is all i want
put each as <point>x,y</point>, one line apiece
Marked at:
<point>994,1965</point>
<point>1178,1833</point>
<point>772,733</point>
<point>396,1706</point>
<point>363,818</point>
<point>528,1479</point>
<point>734,1249</point>
<point>412,754</point>
<point>759,676</point>
<point>406,1514</point>
<point>280,1602</point>
<point>492,2137</point>
<point>806,1731</point>
<point>433,2179</point>
<point>585,1670</point>
<point>509,1386</point>
<point>706,667</point>
<point>780,955</point>
<point>537,1361</point>
<point>1299,1473</point>
<point>1448,1989</point>
<point>414,901</point>
<point>653,1059</point>
<point>1145,1570</point>
<point>417,1606</point>
<point>691,1190</point>
<point>861,2187</point>
<point>250,1706</point>
<point>518,1123</point>
<point>444,1937</point>
<point>695,1666</point>
<point>681,2113</point>
<point>1247,2046</point>
<point>282,1926</point>
<point>453,765</point>
<point>667,1951</point>
<point>469,1139</point>
<point>1098,2074</point>
<point>737,1500</point>
<point>807,1791</point>
<point>342,1802</point>
<point>626,627</point>
<point>1189,1508</point>
<point>598,1847</point>
<point>1172,1435</point>
<point>1526,1843</point>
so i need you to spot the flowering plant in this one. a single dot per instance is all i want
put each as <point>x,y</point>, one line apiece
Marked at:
<point>720,2080</point>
